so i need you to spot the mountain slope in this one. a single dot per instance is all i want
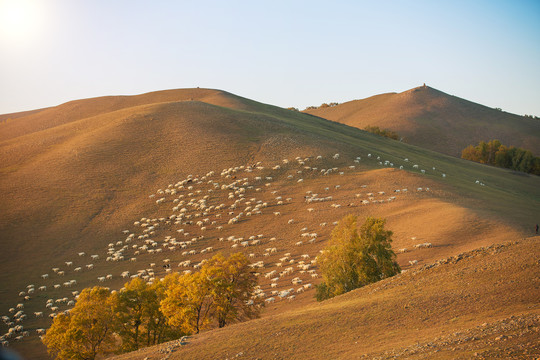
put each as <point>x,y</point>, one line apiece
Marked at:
<point>38,120</point>
<point>434,120</point>
<point>482,302</point>
<point>73,186</point>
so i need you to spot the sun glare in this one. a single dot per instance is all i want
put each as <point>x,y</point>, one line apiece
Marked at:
<point>19,19</point>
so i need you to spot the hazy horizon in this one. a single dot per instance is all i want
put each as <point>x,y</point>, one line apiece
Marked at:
<point>286,54</point>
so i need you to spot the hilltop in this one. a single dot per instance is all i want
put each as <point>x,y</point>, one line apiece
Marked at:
<point>434,120</point>
<point>77,175</point>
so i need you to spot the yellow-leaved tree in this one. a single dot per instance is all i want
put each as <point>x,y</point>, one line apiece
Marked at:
<point>187,303</point>
<point>140,322</point>
<point>86,331</point>
<point>222,292</point>
<point>356,257</point>
<point>232,286</point>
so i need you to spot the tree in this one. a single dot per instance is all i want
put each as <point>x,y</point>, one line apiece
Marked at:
<point>356,257</point>
<point>137,312</point>
<point>503,157</point>
<point>232,287</point>
<point>159,330</point>
<point>384,133</point>
<point>469,153</point>
<point>221,291</point>
<point>187,303</point>
<point>86,331</point>
<point>495,153</point>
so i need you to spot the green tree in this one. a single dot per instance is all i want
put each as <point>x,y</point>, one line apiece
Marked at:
<point>495,153</point>
<point>503,157</point>
<point>356,257</point>
<point>526,162</point>
<point>536,166</point>
<point>385,132</point>
<point>86,331</point>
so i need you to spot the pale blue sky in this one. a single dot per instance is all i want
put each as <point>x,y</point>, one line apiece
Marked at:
<point>286,53</point>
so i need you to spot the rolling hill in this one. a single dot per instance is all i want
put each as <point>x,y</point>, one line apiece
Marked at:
<point>478,304</point>
<point>73,177</point>
<point>431,119</point>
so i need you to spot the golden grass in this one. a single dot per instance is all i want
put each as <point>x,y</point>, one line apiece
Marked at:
<point>74,176</point>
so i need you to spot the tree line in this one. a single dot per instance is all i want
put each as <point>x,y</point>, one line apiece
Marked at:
<point>144,314</point>
<point>509,157</point>
<point>222,292</point>
<point>384,132</point>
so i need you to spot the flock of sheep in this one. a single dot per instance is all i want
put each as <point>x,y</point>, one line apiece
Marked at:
<point>202,215</point>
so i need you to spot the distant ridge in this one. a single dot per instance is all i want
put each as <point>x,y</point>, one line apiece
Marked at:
<point>38,120</point>
<point>432,119</point>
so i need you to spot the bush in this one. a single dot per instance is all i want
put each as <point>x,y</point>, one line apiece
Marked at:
<point>356,257</point>
<point>385,133</point>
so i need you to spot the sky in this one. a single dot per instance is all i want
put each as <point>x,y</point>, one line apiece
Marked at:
<point>285,53</point>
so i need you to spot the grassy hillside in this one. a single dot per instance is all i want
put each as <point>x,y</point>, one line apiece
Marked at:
<point>72,180</point>
<point>479,304</point>
<point>434,120</point>
<point>38,120</point>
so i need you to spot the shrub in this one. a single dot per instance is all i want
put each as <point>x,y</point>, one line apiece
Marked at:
<point>385,133</point>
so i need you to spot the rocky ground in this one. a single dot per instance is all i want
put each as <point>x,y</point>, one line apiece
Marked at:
<point>516,337</point>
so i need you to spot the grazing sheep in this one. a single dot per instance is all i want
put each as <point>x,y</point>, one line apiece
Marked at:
<point>423,245</point>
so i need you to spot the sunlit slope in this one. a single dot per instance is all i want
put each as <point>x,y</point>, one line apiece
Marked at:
<point>75,186</point>
<point>434,120</point>
<point>481,302</point>
<point>80,177</point>
<point>38,120</point>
